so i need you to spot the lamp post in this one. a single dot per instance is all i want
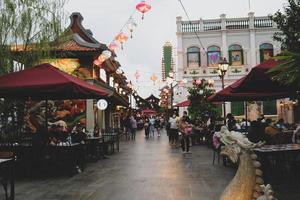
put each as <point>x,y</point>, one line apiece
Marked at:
<point>222,69</point>
<point>170,81</point>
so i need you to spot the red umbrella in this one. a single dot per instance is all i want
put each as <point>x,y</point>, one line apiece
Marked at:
<point>187,103</point>
<point>46,82</point>
<point>183,104</point>
<point>149,112</point>
<point>257,85</point>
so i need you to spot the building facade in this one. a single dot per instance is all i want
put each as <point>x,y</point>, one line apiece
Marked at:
<point>244,42</point>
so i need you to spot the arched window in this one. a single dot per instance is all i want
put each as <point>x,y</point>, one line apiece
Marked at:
<point>236,57</point>
<point>193,57</point>
<point>266,51</point>
<point>213,56</point>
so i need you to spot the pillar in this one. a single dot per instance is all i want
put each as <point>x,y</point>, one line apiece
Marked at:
<point>90,116</point>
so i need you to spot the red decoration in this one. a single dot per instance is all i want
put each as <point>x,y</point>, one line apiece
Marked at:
<point>198,82</point>
<point>143,7</point>
<point>112,46</point>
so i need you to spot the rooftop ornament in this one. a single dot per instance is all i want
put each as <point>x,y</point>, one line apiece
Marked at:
<point>143,7</point>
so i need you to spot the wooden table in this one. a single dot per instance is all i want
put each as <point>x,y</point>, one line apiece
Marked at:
<point>7,172</point>
<point>278,148</point>
<point>279,161</point>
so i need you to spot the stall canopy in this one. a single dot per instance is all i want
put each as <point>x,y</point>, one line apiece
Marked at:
<point>148,112</point>
<point>256,86</point>
<point>183,104</point>
<point>47,82</point>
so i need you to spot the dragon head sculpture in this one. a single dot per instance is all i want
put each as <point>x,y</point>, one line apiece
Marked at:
<point>235,144</point>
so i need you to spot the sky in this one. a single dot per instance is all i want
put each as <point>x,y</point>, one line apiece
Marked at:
<point>105,18</point>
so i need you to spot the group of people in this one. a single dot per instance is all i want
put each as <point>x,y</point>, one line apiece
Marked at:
<point>152,124</point>
<point>264,129</point>
<point>180,129</point>
<point>129,123</point>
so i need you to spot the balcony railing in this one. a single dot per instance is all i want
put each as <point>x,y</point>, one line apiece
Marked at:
<point>225,24</point>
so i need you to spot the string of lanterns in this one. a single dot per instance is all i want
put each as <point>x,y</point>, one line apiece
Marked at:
<point>142,7</point>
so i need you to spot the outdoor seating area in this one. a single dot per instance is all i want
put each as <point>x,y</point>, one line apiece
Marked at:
<point>35,158</point>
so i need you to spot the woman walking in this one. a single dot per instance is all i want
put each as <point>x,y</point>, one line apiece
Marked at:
<point>185,130</point>
<point>157,125</point>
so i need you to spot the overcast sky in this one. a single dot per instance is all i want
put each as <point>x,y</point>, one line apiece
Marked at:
<point>105,18</point>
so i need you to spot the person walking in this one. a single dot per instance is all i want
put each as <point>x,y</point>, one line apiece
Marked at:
<point>173,131</point>
<point>147,127</point>
<point>133,124</point>
<point>185,130</point>
<point>152,128</point>
<point>157,125</point>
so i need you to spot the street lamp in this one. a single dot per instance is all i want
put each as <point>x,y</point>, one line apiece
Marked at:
<point>222,69</point>
<point>170,81</point>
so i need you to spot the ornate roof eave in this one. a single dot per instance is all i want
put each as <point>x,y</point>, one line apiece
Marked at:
<point>76,22</point>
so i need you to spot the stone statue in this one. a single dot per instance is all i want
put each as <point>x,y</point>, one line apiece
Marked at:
<point>247,183</point>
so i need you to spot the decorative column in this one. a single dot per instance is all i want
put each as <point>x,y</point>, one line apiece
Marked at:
<point>253,61</point>
<point>224,36</point>
<point>180,51</point>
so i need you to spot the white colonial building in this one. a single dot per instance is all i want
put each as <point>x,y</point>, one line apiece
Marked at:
<point>244,42</point>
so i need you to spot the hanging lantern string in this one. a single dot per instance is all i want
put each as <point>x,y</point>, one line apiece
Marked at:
<point>127,21</point>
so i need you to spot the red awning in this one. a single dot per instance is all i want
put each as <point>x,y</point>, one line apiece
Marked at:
<point>47,82</point>
<point>257,85</point>
<point>148,112</point>
<point>183,104</point>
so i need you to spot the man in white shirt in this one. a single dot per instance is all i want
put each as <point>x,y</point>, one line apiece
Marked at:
<point>173,130</point>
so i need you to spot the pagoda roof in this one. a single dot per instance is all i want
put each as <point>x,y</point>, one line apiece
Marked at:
<point>74,38</point>
<point>152,97</point>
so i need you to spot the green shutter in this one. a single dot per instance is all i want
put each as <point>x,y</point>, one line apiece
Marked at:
<point>242,57</point>
<point>261,55</point>
<point>230,57</point>
<point>237,108</point>
<point>269,107</point>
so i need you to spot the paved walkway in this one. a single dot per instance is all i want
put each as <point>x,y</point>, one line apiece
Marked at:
<point>142,170</point>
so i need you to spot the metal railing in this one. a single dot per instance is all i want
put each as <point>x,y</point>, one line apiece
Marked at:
<point>226,24</point>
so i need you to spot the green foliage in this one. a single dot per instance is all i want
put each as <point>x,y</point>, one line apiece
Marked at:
<point>289,71</point>
<point>288,23</point>
<point>200,108</point>
<point>27,29</point>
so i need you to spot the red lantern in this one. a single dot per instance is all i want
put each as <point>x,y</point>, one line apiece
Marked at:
<point>97,62</point>
<point>143,7</point>
<point>112,46</point>
<point>121,37</point>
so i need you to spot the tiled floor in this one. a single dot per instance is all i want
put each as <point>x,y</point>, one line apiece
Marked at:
<point>142,170</point>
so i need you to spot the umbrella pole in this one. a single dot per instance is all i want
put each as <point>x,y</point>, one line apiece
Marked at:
<point>46,115</point>
<point>246,114</point>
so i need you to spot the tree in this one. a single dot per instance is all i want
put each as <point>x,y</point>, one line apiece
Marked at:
<point>200,108</point>
<point>289,36</point>
<point>27,29</point>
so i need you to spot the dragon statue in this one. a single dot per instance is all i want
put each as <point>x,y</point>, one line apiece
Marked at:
<point>247,183</point>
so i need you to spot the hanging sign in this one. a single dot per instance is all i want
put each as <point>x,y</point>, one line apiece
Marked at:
<point>102,104</point>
